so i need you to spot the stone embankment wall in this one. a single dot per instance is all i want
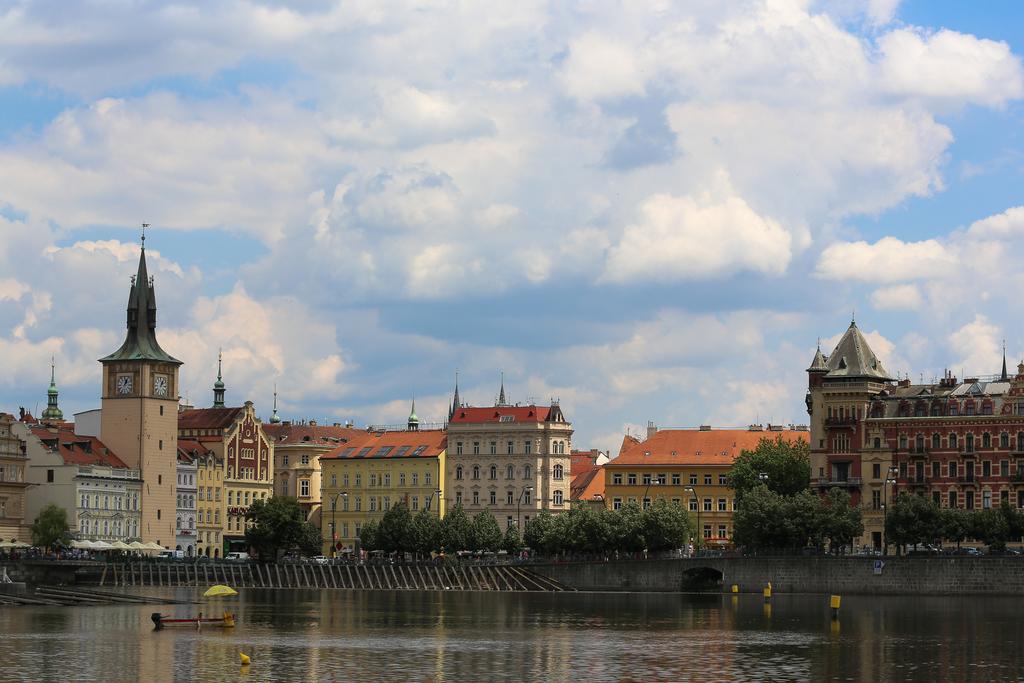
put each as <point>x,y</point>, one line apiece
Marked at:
<point>842,575</point>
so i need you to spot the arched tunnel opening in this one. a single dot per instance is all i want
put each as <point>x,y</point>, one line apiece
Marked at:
<point>706,579</point>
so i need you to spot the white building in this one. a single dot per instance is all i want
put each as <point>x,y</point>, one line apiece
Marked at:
<point>186,504</point>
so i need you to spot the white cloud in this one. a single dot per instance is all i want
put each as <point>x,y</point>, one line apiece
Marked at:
<point>601,66</point>
<point>951,66</point>
<point>682,238</point>
<point>897,298</point>
<point>1009,223</point>
<point>888,260</point>
<point>979,346</point>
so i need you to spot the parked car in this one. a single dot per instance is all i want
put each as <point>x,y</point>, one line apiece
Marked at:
<point>320,559</point>
<point>970,551</point>
<point>237,557</point>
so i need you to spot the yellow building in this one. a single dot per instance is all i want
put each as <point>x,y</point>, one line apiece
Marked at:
<point>365,477</point>
<point>236,438</point>
<point>210,500</point>
<point>297,450</point>
<point>688,467</point>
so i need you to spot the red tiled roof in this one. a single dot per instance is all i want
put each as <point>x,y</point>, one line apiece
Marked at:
<point>188,447</point>
<point>582,461</point>
<point>587,486</point>
<point>697,447</point>
<point>428,443</point>
<point>289,434</point>
<point>628,442</point>
<point>469,415</point>
<point>208,418</point>
<point>76,449</point>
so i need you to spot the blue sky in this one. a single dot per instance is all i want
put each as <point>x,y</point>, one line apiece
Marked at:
<point>647,211</point>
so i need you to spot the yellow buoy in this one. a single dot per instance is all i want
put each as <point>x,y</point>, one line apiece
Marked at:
<point>735,588</point>
<point>244,657</point>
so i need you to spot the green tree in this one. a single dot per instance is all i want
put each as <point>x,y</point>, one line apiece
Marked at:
<point>912,519</point>
<point>626,531</point>
<point>666,526</point>
<point>368,536</point>
<point>759,524</point>
<point>991,528</point>
<point>456,532</point>
<point>50,528</point>
<point>425,532</point>
<point>954,525</point>
<point>310,542</point>
<point>537,530</point>
<point>393,533</point>
<point>841,521</point>
<point>787,465</point>
<point>279,525</point>
<point>485,532</point>
<point>510,542</point>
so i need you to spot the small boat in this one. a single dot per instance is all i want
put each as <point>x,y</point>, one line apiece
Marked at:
<point>162,620</point>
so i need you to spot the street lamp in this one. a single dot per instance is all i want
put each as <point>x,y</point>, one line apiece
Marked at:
<point>519,520</point>
<point>696,504</point>
<point>334,522</point>
<point>650,482</point>
<point>431,497</point>
<point>763,478</point>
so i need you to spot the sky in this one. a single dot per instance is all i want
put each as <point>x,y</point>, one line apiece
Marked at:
<point>648,211</point>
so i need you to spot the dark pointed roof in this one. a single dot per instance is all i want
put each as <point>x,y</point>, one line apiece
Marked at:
<point>140,342</point>
<point>818,364</point>
<point>853,357</point>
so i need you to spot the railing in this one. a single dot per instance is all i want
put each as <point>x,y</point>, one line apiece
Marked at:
<point>840,421</point>
<point>847,481</point>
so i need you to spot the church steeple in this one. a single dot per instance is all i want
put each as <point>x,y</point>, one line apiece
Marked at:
<point>140,342</point>
<point>414,422</point>
<point>218,386</point>
<point>274,419</point>
<point>1004,377</point>
<point>456,404</point>
<point>52,412</point>
<point>501,394</point>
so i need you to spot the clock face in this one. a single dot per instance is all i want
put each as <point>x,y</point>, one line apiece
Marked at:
<point>160,385</point>
<point>124,384</point>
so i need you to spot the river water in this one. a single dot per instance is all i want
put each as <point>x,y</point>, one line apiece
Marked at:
<point>295,635</point>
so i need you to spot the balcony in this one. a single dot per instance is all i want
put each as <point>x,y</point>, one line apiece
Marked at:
<point>846,482</point>
<point>840,421</point>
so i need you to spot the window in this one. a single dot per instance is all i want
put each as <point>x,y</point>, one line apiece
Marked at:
<point>557,472</point>
<point>334,480</point>
<point>876,500</point>
<point>510,472</point>
<point>458,447</point>
<point>359,504</point>
<point>707,505</point>
<point>476,448</point>
<point>494,497</point>
<point>693,505</point>
<point>986,468</point>
<point>722,532</point>
<point>528,447</point>
<point>373,480</point>
<point>631,477</point>
<point>986,440</point>
<point>415,478</point>
<point>676,479</point>
<point>1004,441</point>
<point>476,471</point>
<point>458,497</point>
<point>527,497</point>
<point>527,472</point>
<point>707,531</point>
<point>558,498</point>
<point>707,480</point>
<point>969,443</point>
<point>936,470</point>
<point>722,505</point>
<point>304,487</point>
<point>494,472</point>
<point>617,503</point>
<point>494,448</point>
<point>458,472</point>
<point>969,500</point>
<point>954,441</point>
<point>722,480</point>
<point>284,459</point>
<point>305,458</point>
<point>476,497</point>
<point>952,469</point>
<point>936,441</point>
<point>1004,468</point>
<point>49,476</point>
<point>693,480</point>
<point>426,478</point>
<point>509,448</point>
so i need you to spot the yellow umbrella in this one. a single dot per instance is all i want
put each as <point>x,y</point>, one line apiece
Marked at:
<point>219,591</point>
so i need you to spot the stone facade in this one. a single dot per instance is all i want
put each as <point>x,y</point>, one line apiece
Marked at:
<point>13,522</point>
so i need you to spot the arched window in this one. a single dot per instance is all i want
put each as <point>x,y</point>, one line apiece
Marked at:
<point>936,441</point>
<point>878,442</point>
<point>969,443</point>
<point>510,472</point>
<point>557,473</point>
<point>1004,440</point>
<point>558,497</point>
<point>458,472</point>
<point>527,472</point>
<point>476,471</point>
<point>178,523</point>
<point>986,440</point>
<point>954,442</point>
<point>494,471</point>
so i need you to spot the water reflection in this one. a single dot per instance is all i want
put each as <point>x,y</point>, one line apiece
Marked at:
<point>447,636</point>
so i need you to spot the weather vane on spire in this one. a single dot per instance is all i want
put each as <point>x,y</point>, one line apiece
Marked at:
<point>144,226</point>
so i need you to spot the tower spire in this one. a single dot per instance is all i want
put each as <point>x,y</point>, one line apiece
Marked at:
<point>414,422</point>
<point>1004,376</point>
<point>52,411</point>
<point>218,386</point>
<point>501,394</point>
<point>456,404</point>
<point>274,419</point>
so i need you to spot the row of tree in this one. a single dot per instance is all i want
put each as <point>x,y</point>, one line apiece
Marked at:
<point>581,529</point>
<point>914,519</point>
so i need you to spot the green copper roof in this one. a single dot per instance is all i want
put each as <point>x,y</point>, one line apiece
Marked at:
<point>140,342</point>
<point>52,411</point>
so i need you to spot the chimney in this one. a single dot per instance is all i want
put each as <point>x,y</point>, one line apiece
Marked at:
<point>652,429</point>
<point>705,428</point>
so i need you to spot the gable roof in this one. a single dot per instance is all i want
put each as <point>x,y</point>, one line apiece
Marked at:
<point>469,415</point>
<point>428,443</point>
<point>208,418</point>
<point>699,447</point>
<point>588,485</point>
<point>853,357</point>
<point>291,434</point>
<point>76,449</point>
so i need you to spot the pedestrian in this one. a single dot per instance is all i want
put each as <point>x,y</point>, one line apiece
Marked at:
<point>199,621</point>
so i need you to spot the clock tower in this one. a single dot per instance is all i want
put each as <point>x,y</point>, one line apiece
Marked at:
<point>139,420</point>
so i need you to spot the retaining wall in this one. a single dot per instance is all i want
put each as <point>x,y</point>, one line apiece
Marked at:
<point>841,575</point>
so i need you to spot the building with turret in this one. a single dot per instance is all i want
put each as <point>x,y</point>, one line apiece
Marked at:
<point>139,418</point>
<point>52,412</point>
<point>958,442</point>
